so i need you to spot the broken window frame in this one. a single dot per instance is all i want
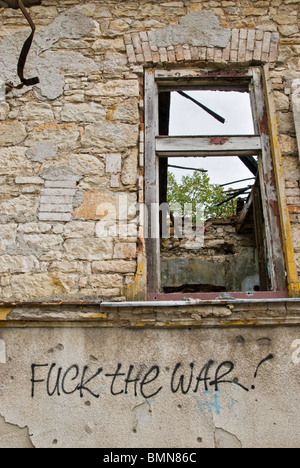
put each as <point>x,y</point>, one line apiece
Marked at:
<point>158,148</point>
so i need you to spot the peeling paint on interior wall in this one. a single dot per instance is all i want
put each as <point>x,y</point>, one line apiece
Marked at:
<point>2,352</point>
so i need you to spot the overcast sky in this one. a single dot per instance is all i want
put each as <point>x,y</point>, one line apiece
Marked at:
<point>189,119</point>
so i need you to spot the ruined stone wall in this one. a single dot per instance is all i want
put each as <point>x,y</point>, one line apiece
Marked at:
<point>74,143</point>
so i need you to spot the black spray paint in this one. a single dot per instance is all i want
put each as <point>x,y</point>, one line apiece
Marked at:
<point>139,381</point>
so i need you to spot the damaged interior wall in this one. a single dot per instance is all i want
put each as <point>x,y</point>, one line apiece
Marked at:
<point>226,262</point>
<point>71,174</point>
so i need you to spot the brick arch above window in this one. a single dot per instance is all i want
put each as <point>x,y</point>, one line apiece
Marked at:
<point>245,46</point>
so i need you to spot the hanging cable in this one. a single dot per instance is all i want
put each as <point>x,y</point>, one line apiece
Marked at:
<point>25,51</point>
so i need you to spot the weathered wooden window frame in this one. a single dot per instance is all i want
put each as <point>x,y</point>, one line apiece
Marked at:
<point>157,147</point>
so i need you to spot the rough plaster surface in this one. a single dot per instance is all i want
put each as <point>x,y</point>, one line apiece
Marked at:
<point>90,388</point>
<point>13,436</point>
<point>199,28</point>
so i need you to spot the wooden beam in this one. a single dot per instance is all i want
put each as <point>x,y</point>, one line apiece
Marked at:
<point>151,184</point>
<point>286,233</point>
<point>208,146</point>
<point>197,79</point>
<point>269,194</point>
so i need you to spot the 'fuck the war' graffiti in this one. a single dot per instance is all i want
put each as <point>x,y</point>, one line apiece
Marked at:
<point>143,381</point>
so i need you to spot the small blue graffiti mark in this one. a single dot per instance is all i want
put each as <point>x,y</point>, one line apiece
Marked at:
<point>210,404</point>
<point>230,401</point>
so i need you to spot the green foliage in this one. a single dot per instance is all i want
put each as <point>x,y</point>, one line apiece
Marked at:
<point>197,190</point>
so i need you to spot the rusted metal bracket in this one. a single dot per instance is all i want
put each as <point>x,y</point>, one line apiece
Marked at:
<point>25,51</point>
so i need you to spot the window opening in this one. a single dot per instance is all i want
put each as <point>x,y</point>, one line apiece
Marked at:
<point>186,118</point>
<point>192,154</point>
<point>226,257</point>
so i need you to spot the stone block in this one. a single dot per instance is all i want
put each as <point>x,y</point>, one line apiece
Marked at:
<point>29,180</point>
<point>56,200</point>
<point>125,250</point>
<point>115,181</point>
<point>106,281</point>
<point>4,109</point>
<point>40,111</point>
<point>79,229</point>
<point>11,264</point>
<point>32,286</point>
<point>34,228</point>
<point>8,233</point>
<point>39,243</point>
<point>83,112</point>
<point>114,266</point>
<point>130,173</point>
<point>60,174</point>
<point>60,184</point>
<point>66,266</point>
<point>41,151</point>
<point>62,208</point>
<point>64,217</point>
<point>117,135</point>
<point>14,162</point>
<point>115,88</point>
<point>88,248</point>
<point>113,163</point>
<point>64,136</point>
<point>20,209</point>
<point>58,192</point>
